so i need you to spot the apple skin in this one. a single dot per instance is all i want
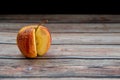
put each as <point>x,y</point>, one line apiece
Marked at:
<point>33,42</point>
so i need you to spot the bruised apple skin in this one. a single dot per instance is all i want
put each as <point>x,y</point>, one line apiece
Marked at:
<point>33,40</point>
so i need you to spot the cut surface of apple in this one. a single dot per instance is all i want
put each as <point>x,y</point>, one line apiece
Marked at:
<point>33,41</point>
<point>43,40</point>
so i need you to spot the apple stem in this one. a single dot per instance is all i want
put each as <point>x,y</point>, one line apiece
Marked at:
<point>41,23</point>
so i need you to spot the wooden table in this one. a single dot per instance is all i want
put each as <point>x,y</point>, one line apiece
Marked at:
<point>84,47</point>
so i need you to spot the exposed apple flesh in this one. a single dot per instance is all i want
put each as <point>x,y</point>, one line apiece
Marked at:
<point>42,40</point>
<point>33,41</point>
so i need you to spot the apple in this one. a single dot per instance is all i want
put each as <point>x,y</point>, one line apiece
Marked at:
<point>33,40</point>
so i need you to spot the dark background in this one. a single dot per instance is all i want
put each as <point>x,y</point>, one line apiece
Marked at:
<point>60,7</point>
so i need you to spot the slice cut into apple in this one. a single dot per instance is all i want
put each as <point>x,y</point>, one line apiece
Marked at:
<point>43,40</point>
<point>33,40</point>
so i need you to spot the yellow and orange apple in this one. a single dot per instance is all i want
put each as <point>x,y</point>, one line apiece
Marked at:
<point>33,40</point>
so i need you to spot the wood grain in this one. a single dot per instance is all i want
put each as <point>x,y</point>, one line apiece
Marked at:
<point>84,47</point>
<point>36,68</point>
<point>60,18</point>
<point>59,78</point>
<point>67,51</point>
<point>65,27</point>
<point>71,38</point>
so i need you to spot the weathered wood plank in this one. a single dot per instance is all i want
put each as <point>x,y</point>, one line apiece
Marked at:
<point>58,68</point>
<point>59,79</point>
<point>67,51</point>
<point>86,38</point>
<point>66,27</point>
<point>71,38</point>
<point>60,18</point>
